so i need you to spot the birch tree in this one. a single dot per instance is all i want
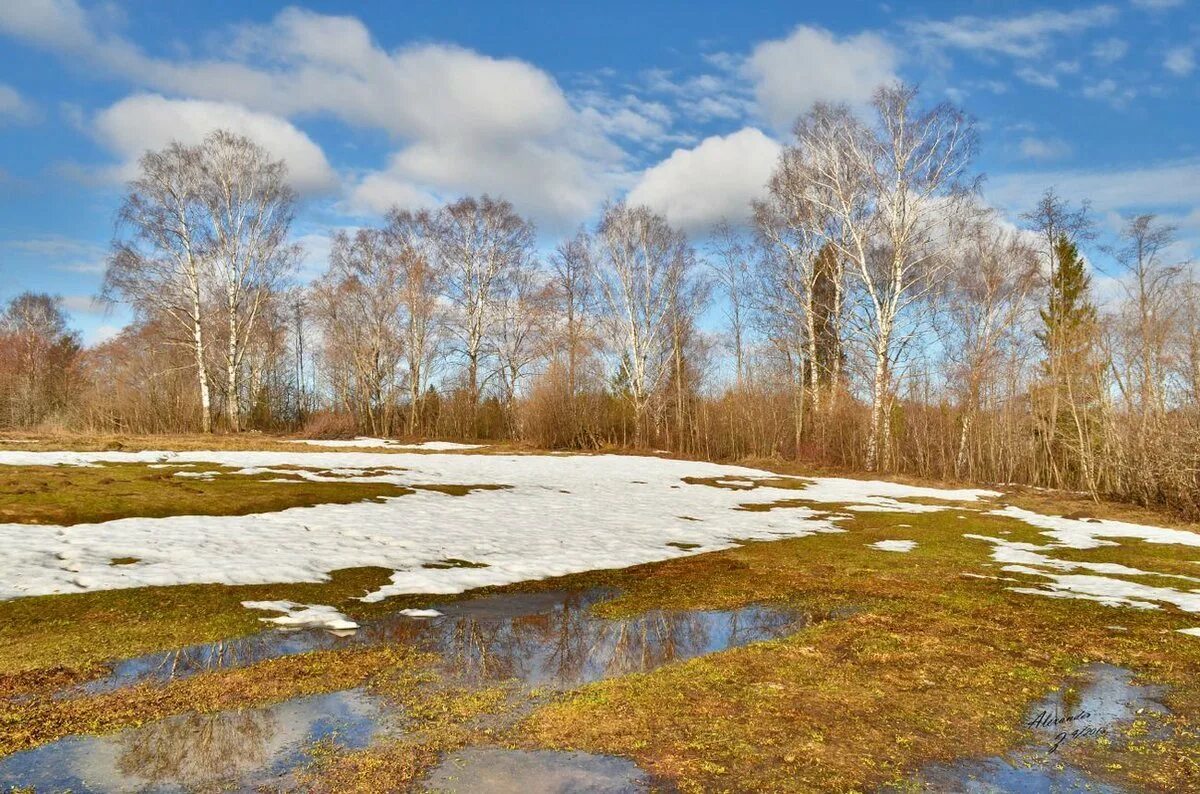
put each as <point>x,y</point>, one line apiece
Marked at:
<point>987,298</point>
<point>892,190</point>
<point>157,264</point>
<point>640,269</point>
<point>729,262</point>
<point>574,297</point>
<point>358,303</point>
<point>481,242</point>
<point>249,208</point>
<point>421,280</point>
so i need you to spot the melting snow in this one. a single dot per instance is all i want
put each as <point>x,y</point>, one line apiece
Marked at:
<point>420,613</point>
<point>1078,533</point>
<point>1022,557</point>
<point>894,545</point>
<point>303,616</point>
<point>386,443</point>
<point>1194,632</point>
<point>560,515</point>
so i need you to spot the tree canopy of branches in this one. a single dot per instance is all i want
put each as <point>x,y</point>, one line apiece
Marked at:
<point>873,314</point>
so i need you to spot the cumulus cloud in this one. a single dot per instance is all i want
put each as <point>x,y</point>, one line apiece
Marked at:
<point>811,65</point>
<point>715,180</point>
<point>462,121</point>
<point>13,106</point>
<point>149,121</point>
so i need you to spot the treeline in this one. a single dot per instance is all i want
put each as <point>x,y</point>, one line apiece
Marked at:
<point>875,315</point>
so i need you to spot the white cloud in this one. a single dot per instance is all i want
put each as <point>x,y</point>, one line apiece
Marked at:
<point>1158,5</point>
<point>462,121</point>
<point>101,333</point>
<point>1110,50</point>
<point>716,180</point>
<point>82,304</point>
<point>1043,148</point>
<point>61,253</point>
<point>1107,90</point>
<point>1024,36</point>
<point>149,121</point>
<point>1156,187</point>
<point>14,107</point>
<point>1180,61</point>
<point>812,65</point>
<point>1038,77</point>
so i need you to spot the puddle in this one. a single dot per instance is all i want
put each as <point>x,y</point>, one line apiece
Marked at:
<point>500,771</point>
<point>548,638</point>
<point>1026,775</point>
<point>201,752</point>
<point>1103,699</point>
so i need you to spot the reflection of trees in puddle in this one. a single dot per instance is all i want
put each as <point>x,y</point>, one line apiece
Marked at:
<point>545,638</point>
<point>197,751</point>
<point>541,640</point>
<point>565,645</point>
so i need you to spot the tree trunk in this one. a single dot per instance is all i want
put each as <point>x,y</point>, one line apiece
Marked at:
<point>879,388</point>
<point>201,369</point>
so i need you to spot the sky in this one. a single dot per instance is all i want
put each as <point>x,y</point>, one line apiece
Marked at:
<point>561,106</point>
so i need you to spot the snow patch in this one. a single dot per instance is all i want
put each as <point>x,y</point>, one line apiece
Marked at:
<point>386,443</point>
<point>559,515</point>
<point>1078,533</point>
<point>303,616</point>
<point>420,613</point>
<point>894,545</point>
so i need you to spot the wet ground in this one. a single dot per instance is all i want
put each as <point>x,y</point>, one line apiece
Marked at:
<point>548,640</point>
<point>501,771</point>
<point>1103,699</point>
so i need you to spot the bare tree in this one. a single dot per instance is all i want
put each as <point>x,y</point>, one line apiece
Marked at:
<point>248,207</point>
<point>1149,316</point>
<point>358,304</point>
<point>574,296</point>
<point>520,331</point>
<point>892,192</point>
<point>730,264</point>
<point>481,242</point>
<point>641,266</point>
<point>422,278</point>
<point>158,261</point>
<point>38,358</point>
<point>987,297</point>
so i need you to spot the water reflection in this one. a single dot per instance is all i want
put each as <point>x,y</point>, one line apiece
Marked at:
<point>541,639</point>
<point>201,752</point>
<point>1107,699</point>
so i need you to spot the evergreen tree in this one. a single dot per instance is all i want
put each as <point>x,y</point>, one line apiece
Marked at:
<point>1070,318</point>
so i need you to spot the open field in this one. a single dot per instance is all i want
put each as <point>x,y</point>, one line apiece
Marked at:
<point>462,619</point>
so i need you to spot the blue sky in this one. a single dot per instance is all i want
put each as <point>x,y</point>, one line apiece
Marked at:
<point>558,106</point>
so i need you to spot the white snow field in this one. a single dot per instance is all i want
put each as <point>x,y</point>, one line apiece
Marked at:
<point>560,514</point>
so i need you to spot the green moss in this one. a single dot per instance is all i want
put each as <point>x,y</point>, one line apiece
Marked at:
<point>65,495</point>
